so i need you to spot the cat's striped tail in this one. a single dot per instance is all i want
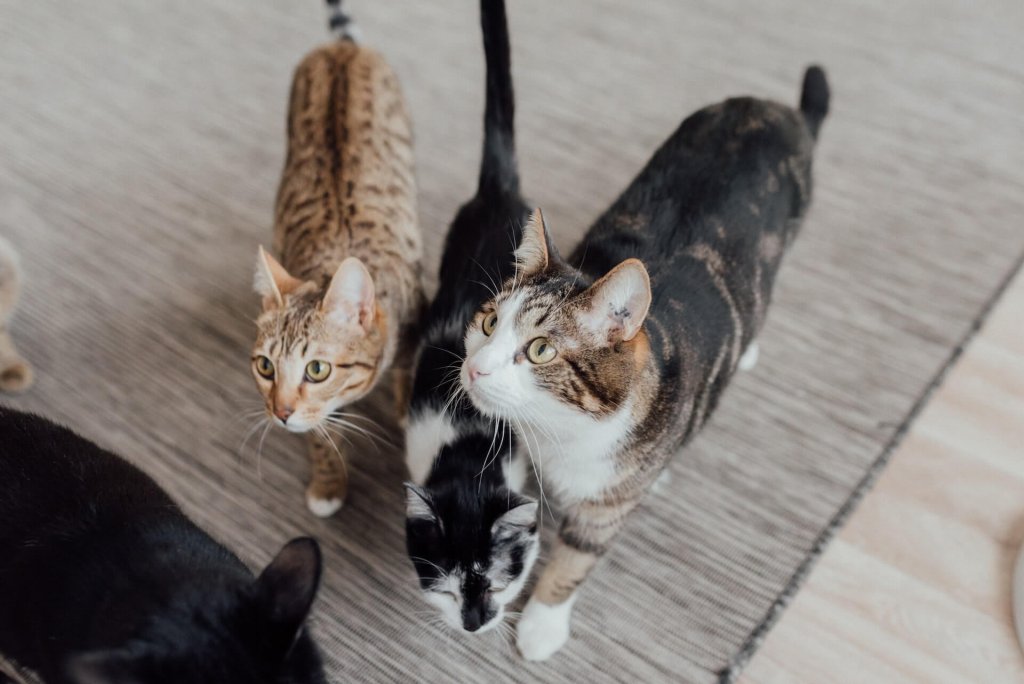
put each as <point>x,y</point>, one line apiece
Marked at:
<point>341,24</point>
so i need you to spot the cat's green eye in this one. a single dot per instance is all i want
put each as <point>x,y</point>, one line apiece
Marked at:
<point>317,371</point>
<point>490,323</point>
<point>541,351</point>
<point>265,367</point>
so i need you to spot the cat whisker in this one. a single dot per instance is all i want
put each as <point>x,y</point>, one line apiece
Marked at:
<point>428,562</point>
<point>259,451</point>
<point>340,425</point>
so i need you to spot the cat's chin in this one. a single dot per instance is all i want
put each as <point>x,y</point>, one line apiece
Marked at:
<point>486,405</point>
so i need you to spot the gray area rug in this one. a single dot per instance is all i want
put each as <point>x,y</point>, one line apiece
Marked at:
<point>140,147</point>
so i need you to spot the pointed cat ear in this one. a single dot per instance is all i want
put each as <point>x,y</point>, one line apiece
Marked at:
<point>272,282</point>
<point>287,588</point>
<point>418,505</point>
<point>521,517</point>
<point>350,297</point>
<point>535,250</point>
<point>103,667</point>
<point>616,305</point>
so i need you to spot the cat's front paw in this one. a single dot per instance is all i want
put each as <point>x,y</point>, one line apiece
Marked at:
<point>323,508</point>
<point>543,629</point>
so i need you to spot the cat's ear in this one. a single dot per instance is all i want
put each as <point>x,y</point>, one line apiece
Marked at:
<point>103,667</point>
<point>535,251</point>
<point>286,589</point>
<point>614,308</point>
<point>272,281</point>
<point>522,516</point>
<point>350,297</point>
<point>418,504</point>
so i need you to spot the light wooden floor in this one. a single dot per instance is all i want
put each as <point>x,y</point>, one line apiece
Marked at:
<point>916,587</point>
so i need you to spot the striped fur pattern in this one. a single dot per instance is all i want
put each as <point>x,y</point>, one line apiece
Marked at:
<point>341,24</point>
<point>15,372</point>
<point>470,535</point>
<point>347,285</point>
<point>648,324</point>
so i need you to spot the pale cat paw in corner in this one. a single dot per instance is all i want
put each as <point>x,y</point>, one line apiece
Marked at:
<point>15,372</point>
<point>543,629</point>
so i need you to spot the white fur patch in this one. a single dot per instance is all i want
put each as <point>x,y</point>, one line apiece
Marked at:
<point>426,434</point>
<point>543,629</point>
<point>323,508</point>
<point>514,470</point>
<point>749,359</point>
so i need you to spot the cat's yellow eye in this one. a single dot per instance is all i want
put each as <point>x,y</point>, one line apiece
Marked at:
<point>317,371</point>
<point>541,351</point>
<point>265,367</point>
<point>490,323</point>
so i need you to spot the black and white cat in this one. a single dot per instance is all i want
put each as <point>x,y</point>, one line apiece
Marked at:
<point>471,536</point>
<point>103,580</point>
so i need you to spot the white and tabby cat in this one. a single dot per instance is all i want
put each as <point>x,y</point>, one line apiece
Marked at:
<point>613,365</point>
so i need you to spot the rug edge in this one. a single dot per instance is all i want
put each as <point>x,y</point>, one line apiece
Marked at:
<point>741,659</point>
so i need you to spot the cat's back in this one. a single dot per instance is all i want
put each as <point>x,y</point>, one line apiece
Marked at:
<point>348,187</point>
<point>55,480</point>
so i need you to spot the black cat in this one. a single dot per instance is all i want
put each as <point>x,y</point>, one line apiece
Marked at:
<point>471,536</point>
<point>103,580</point>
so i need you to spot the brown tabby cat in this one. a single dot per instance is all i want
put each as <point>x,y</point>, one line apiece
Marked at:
<point>15,373</point>
<point>348,285</point>
<point>607,363</point>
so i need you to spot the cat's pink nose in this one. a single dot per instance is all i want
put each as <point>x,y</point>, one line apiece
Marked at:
<point>283,413</point>
<point>475,373</point>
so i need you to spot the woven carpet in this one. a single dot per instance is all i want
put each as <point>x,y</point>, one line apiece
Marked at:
<point>140,147</point>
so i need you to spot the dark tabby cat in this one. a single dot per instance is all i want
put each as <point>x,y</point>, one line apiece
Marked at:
<point>103,580</point>
<point>616,362</point>
<point>471,537</point>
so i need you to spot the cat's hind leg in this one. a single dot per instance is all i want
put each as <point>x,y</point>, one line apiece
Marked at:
<point>749,359</point>
<point>328,485</point>
<point>15,373</point>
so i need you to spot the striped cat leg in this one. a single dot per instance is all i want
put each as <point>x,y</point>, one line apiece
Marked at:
<point>585,536</point>
<point>329,482</point>
<point>401,379</point>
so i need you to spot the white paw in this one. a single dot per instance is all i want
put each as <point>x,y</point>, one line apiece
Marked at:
<point>323,508</point>
<point>663,482</point>
<point>749,358</point>
<point>543,629</point>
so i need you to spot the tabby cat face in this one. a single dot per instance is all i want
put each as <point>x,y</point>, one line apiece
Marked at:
<point>314,352</point>
<point>547,346</point>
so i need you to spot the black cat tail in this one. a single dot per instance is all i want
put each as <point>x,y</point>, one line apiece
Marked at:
<point>341,24</point>
<point>498,168</point>
<point>814,98</point>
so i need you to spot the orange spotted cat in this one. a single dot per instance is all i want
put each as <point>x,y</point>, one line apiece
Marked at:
<point>347,287</point>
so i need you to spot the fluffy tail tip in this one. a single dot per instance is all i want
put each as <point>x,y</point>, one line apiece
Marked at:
<point>814,97</point>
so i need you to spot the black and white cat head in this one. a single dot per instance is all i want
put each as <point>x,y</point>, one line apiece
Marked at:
<point>253,635</point>
<point>471,567</point>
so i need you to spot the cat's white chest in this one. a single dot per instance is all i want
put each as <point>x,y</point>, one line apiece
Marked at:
<point>583,463</point>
